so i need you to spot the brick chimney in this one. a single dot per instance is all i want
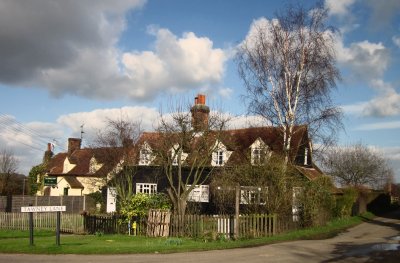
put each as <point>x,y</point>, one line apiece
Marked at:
<point>200,113</point>
<point>48,153</point>
<point>73,145</point>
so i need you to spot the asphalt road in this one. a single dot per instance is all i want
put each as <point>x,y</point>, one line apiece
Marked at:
<point>374,241</point>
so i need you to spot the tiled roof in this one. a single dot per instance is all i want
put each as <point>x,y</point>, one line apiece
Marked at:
<point>239,140</point>
<point>73,182</point>
<point>107,157</point>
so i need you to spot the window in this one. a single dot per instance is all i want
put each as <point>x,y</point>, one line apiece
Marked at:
<point>220,154</point>
<point>145,155</point>
<point>175,153</point>
<point>259,152</point>
<point>66,191</point>
<point>200,193</point>
<point>146,188</point>
<point>252,195</point>
<point>296,205</point>
<point>256,155</point>
<point>305,156</point>
<point>220,158</point>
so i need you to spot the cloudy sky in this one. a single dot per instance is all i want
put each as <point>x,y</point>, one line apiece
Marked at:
<point>70,63</point>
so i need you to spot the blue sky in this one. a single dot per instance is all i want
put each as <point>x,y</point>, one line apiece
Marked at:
<point>68,63</point>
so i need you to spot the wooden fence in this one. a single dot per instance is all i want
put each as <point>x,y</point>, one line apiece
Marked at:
<point>257,225</point>
<point>70,223</point>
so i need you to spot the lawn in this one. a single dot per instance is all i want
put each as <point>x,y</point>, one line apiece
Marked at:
<point>44,241</point>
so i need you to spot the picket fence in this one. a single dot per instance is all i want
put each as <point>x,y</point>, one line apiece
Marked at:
<point>194,226</point>
<point>255,225</point>
<point>70,223</point>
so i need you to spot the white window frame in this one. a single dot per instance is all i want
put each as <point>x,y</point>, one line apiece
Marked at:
<point>146,188</point>
<point>259,150</point>
<point>306,156</point>
<point>220,154</point>
<point>199,194</point>
<point>251,195</point>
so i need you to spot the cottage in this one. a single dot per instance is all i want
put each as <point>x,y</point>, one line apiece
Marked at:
<point>83,171</point>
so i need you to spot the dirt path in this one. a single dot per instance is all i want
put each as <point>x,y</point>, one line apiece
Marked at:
<point>364,243</point>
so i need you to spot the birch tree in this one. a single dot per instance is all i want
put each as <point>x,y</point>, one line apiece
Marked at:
<point>288,68</point>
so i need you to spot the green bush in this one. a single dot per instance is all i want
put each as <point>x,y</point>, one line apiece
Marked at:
<point>345,203</point>
<point>140,204</point>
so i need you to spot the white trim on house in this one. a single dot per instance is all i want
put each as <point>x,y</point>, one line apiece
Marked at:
<point>67,166</point>
<point>94,166</point>
<point>146,156</point>
<point>146,188</point>
<point>259,150</point>
<point>220,155</point>
<point>174,154</point>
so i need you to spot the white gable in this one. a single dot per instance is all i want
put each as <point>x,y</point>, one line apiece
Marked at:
<point>67,166</point>
<point>220,155</point>
<point>174,154</point>
<point>94,166</point>
<point>146,154</point>
<point>259,150</point>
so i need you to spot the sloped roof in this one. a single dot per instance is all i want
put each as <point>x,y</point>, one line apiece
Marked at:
<point>108,157</point>
<point>239,140</point>
<point>73,182</point>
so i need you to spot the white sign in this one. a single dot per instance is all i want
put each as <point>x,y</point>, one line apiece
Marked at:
<point>200,193</point>
<point>111,199</point>
<point>42,209</point>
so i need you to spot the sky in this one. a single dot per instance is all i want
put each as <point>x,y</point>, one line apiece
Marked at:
<point>71,65</point>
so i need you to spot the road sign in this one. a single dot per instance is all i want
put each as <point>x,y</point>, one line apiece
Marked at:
<point>42,209</point>
<point>50,181</point>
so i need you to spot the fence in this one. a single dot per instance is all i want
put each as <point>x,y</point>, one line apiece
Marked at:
<point>70,223</point>
<point>257,225</point>
<point>74,204</point>
<point>113,224</point>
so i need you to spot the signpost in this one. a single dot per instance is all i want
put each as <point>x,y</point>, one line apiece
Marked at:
<point>40,209</point>
<point>50,181</point>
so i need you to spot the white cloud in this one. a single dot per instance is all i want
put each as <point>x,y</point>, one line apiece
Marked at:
<point>367,61</point>
<point>354,109</point>
<point>177,64</point>
<point>379,126</point>
<point>96,120</point>
<point>339,7</point>
<point>396,40</point>
<point>70,47</point>
<point>387,102</point>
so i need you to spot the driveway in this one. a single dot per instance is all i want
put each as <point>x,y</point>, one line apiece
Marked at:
<point>373,241</point>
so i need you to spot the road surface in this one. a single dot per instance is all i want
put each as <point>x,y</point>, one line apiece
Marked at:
<point>375,241</point>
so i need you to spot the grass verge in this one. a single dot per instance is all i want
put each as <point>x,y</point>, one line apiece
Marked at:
<point>44,241</point>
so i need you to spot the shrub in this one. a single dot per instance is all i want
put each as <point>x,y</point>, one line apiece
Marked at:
<point>345,203</point>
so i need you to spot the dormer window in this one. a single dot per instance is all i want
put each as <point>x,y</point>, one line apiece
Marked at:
<point>145,155</point>
<point>220,155</point>
<point>219,159</point>
<point>177,152</point>
<point>259,151</point>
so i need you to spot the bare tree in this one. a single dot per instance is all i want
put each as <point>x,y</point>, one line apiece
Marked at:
<point>8,168</point>
<point>288,67</point>
<point>265,187</point>
<point>184,150</point>
<point>358,165</point>
<point>113,147</point>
